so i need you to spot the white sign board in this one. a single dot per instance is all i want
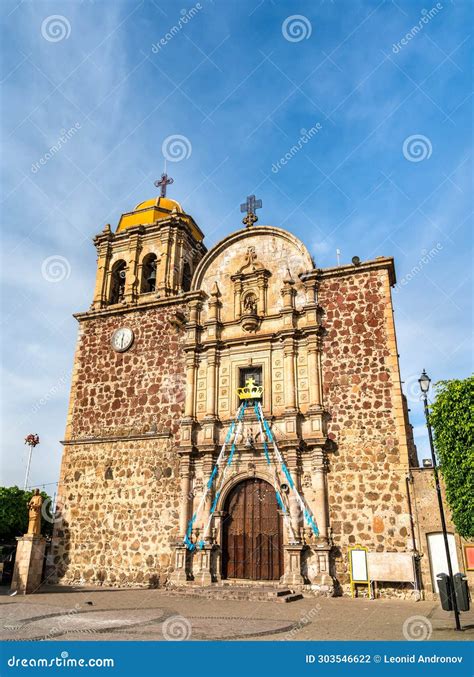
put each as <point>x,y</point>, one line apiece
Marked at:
<point>396,567</point>
<point>359,565</point>
<point>439,563</point>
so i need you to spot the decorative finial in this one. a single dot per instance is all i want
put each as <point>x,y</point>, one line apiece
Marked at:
<point>215,291</point>
<point>250,206</point>
<point>163,182</point>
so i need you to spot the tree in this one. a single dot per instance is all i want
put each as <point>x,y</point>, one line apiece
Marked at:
<point>451,416</point>
<point>14,513</point>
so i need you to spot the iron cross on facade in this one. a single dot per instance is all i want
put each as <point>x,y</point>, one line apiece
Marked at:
<point>250,207</point>
<point>163,182</point>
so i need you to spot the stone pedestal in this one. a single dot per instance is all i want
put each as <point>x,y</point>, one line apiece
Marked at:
<point>316,568</point>
<point>292,575</point>
<point>203,569</point>
<point>180,573</point>
<point>29,560</point>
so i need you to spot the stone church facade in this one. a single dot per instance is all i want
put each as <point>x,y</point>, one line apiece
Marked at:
<point>172,332</point>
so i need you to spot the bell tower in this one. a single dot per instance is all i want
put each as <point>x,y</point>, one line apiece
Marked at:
<point>119,481</point>
<point>152,254</point>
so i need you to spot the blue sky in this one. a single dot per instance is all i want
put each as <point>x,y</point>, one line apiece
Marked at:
<point>239,82</point>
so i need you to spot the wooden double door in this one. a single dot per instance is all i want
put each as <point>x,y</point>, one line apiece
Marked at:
<point>252,544</point>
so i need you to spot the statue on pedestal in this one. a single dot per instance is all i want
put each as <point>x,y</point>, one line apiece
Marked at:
<point>34,514</point>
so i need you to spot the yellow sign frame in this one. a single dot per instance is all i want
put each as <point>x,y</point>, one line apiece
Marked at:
<point>361,581</point>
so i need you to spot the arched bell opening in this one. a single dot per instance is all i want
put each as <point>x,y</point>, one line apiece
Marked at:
<point>187,277</point>
<point>149,266</point>
<point>117,286</point>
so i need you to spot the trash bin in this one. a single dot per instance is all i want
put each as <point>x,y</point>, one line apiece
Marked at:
<point>445,591</point>
<point>461,590</point>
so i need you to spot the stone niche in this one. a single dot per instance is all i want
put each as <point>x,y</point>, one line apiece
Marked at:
<point>250,291</point>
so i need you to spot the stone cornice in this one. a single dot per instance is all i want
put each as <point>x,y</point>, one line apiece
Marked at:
<point>123,309</point>
<point>178,221</point>
<point>380,263</point>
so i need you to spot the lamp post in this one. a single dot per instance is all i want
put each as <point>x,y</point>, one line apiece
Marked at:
<point>424,382</point>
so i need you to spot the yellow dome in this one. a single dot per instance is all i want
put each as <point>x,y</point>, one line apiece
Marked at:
<point>161,202</point>
<point>149,212</point>
<point>156,209</point>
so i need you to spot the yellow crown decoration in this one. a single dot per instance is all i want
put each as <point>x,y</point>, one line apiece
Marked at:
<point>251,391</point>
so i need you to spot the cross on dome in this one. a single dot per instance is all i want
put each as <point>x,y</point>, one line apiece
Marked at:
<point>163,182</point>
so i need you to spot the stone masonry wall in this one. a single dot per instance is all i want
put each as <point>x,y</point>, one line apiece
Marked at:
<point>119,485</point>
<point>123,393</point>
<point>368,463</point>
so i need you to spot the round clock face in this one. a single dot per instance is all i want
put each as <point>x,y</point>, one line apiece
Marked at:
<point>122,339</point>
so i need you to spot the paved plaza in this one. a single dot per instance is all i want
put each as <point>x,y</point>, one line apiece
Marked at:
<point>104,614</point>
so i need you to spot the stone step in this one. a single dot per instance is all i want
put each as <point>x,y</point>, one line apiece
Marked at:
<point>229,592</point>
<point>292,597</point>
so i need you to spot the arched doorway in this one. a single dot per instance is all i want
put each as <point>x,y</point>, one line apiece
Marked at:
<point>252,543</point>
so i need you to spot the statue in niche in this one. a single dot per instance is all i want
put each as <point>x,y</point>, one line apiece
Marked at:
<point>250,304</point>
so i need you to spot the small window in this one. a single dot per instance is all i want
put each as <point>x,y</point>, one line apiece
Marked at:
<point>109,475</point>
<point>250,372</point>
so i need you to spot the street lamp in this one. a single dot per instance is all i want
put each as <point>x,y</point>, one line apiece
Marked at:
<point>424,382</point>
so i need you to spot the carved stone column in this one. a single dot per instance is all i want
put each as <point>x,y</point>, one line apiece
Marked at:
<point>207,466</point>
<point>237,297</point>
<point>314,374</point>
<point>104,250</point>
<point>319,369</point>
<point>211,383</point>
<point>131,280</point>
<point>320,493</point>
<point>296,516</point>
<point>190,385</point>
<point>289,372</point>
<point>185,498</point>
